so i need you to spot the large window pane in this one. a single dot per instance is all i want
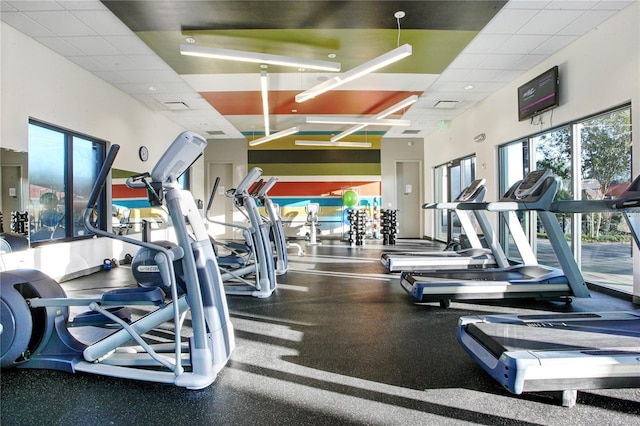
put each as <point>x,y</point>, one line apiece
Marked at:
<point>63,167</point>
<point>440,216</point>
<point>514,164</point>
<point>553,152</point>
<point>592,160</point>
<point>85,170</point>
<point>606,171</point>
<point>47,187</point>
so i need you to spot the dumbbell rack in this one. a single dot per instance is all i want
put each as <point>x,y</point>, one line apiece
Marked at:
<point>389,219</point>
<point>357,226</point>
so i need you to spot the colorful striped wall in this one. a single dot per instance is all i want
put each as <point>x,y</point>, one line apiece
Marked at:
<point>310,174</point>
<point>133,200</point>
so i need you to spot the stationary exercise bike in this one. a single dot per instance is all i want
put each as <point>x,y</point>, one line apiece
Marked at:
<point>34,309</point>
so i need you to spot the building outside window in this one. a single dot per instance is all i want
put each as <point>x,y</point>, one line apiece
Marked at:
<point>63,166</point>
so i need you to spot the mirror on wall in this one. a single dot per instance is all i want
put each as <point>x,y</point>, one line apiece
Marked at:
<point>14,202</point>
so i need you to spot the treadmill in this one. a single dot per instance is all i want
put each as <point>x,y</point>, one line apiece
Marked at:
<point>475,257</point>
<point>562,351</point>
<point>526,280</point>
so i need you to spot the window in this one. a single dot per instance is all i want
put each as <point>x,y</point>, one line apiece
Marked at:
<point>592,159</point>
<point>450,179</point>
<point>63,166</point>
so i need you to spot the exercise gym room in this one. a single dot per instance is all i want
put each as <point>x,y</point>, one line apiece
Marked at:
<point>319,212</point>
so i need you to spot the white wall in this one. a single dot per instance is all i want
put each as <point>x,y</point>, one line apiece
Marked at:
<point>601,70</point>
<point>37,83</point>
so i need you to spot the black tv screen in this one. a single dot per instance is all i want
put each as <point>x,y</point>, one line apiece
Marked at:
<point>538,95</point>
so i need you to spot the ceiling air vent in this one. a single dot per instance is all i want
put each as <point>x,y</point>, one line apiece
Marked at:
<point>446,104</point>
<point>411,132</point>
<point>215,132</point>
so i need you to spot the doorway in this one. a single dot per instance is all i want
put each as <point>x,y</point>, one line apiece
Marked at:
<point>222,209</point>
<point>11,193</point>
<point>408,194</point>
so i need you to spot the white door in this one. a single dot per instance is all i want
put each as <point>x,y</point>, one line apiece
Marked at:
<point>408,190</point>
<point>11,194</point>
<point>222,207</point>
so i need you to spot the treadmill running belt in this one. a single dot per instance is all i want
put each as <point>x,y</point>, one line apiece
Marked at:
<point>499,338</point>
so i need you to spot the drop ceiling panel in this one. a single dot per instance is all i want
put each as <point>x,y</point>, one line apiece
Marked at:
<point>455,44</point>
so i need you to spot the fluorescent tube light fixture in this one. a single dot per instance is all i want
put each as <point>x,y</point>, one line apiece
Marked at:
<point>264,89</point>
<point>367,121</point>
<point>357,72</point>
<point>258,58</point>
<point>329,143</point>
<point>273,136</point>
<point>347,132</point>
<point>387,112</point>
<point>397,107</point>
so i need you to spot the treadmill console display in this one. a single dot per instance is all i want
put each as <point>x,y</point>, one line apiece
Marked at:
<point>470,191</point>
<point>530,184</point>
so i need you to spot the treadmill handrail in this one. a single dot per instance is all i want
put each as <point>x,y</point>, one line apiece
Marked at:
<point>587,206</point>
<point>627,201</point>
<point>500,206</point>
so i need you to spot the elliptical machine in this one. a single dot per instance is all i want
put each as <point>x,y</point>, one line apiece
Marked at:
<point>35,310</point>
<point>262,270</point>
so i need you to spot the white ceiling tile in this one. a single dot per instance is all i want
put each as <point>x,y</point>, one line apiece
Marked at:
<point>554,44</point>
<point>571,4</point>
<point>613,4</point>
<point>527,4</point>
<point>486,43</point>
<point>149,62</point>
<point>509,75</point>
<point>27,6</point>
<point>82,4</point>
<point>151,77</point>
<point>529,62</point>
<point>549,22</point>
<point>129,45</point>
<point>485,75</point>
<point>61,23</point>
<point>117,62</point>
<point>23,23</point>
<point>509,21</point>
<point>497,62</point>
<point>587,22</point>
<point>5,6</point>
<point>103,22</point>
<point>141,87</point>
<point>114,78</point>
<point>89,63</point>
<point>93,45</point>
<point>467,61</point>
<point>522,44</point>
<point>59,46</point>
<point>455,75</point>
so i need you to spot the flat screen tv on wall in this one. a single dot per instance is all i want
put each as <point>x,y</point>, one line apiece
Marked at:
<point>538,95</point>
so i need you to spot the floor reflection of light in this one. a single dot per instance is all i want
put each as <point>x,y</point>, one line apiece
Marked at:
<point>360,276</point>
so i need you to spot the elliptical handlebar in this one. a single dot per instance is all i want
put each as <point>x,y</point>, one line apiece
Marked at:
<point>216,183</point>
<point>132,182</point>
<point>102,178</point>
<point>251,177</point>
<point>93,199</point>
<point>267,187</point>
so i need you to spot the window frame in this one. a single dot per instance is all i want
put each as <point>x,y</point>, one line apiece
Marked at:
<point>102,210</point>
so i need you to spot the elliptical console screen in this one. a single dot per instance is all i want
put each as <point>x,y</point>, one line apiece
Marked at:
<point>531,183</point>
